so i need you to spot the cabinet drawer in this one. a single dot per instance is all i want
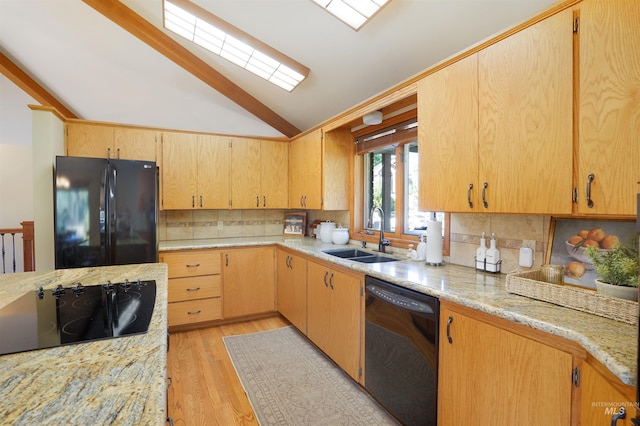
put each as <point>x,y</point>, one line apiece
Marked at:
<point>181,289</point>
<point>192,263</point>
<point>194,311</point>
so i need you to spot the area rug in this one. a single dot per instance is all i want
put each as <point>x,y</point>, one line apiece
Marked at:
<point>290,382</point>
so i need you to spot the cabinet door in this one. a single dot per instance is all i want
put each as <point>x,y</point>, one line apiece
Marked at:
<point>135,144</point>
<point>318,305</point>
<point>305,171</point>
<point>337,159</point>
<point>248,281</point>
<point>292,289</point>
<point>345,321</point>
<point>179,171</point>
<point>213,172</point>
<point>526,119</point>
<point>90,140</point>
<point>274,175</point>
<point>448,138</point>
<point>609,118</point>
<point>490,376</point>
<point>602,398</point>
<point>246,163</point>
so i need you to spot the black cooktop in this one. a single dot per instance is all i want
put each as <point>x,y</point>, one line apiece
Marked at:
<point>75,314</point>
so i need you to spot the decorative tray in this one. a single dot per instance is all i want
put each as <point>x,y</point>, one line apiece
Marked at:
<point>529,284</point>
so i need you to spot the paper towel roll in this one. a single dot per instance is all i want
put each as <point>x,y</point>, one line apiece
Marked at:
<point>434,243</point>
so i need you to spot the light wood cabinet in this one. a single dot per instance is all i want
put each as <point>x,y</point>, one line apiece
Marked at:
<point>609,107</point>
<point>448,138</point>
<point>334,314</point>
<point>291,288</point>
<point>525,139</point>
<point>521,144</point>
<point>490,375</point>
<point>320,169</point>
<point>108,141</point>
<point>248,281</point>
<point>195,171</point>
<point>194,292</point>
<point>259,170</point>
<point>602,396</point>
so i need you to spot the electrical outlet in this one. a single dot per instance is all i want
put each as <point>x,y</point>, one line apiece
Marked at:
<point>531,244</point>
<point>220,225</point>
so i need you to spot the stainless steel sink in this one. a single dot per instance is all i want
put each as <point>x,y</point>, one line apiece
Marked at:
<point>374,259</point>
<point>348,253</point>
<point>360,256</point>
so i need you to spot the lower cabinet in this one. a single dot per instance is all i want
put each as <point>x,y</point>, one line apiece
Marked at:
<point>602,396</point>
<point>291,288</point>
<point>334,314</point>
<point>194,293</point>
<point>491,375</point>
<point>249,281</point>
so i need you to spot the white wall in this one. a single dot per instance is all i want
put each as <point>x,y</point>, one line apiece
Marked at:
<point>16,170</point>
<point>48,141</point>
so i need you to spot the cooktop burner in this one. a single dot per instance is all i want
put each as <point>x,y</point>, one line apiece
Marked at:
<point>62,316</point>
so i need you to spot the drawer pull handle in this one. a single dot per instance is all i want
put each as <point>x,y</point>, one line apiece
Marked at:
<point>192,265</point>
<point>590,179</point>
<point>622,414</point>
<point>194,312</point>
<point>193,289</point>
<point>469,195</point>
<point>449,329</point>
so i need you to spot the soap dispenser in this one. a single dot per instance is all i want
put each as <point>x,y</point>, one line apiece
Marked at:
<point>481,254</point>
<point>493,256</point>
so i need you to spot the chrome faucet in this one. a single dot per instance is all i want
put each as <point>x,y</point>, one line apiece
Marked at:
<point>383,242</point>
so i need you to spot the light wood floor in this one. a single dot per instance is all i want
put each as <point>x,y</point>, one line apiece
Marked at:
<point>205,389</point>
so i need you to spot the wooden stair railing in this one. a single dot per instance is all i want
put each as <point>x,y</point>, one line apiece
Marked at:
<point>28,246</point>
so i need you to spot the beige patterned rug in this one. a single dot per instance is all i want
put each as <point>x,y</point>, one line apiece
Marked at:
<point>290,382</point>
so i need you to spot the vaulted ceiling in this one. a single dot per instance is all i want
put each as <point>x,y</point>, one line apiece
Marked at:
<point>110,60</point>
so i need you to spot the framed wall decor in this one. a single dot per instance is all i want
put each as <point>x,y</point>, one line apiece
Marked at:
<point>568,238</point>
<point>295,224</point>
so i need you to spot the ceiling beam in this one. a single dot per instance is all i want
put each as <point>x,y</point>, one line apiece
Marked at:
<point>14,73</point>
<point>126,18</point>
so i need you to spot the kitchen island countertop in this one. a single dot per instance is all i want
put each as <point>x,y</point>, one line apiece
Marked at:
<point>612,343</point>
<point>116,381</point>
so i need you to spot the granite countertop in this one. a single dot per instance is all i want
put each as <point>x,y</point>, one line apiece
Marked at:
<point>116,381</point>
<point>612,343</point>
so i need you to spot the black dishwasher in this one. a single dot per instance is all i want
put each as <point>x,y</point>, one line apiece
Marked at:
<point>401,351</point>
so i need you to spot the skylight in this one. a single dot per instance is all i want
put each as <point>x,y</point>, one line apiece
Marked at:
<point>354,13</point>
<point>221,38</point>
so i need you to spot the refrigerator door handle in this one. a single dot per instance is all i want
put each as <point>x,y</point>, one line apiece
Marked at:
<point>113,209</point>
<point>104,216</point>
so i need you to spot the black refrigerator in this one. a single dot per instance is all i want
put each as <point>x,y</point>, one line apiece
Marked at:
<point>105,212</point>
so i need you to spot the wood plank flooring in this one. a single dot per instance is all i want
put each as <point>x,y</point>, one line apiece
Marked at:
<point>205,389</point>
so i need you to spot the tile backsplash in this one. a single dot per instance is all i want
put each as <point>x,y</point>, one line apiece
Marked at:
<point>510,232</point>
<point>466,229</point>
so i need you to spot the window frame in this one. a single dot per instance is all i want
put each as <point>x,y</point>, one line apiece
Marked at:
<point>397,238</point>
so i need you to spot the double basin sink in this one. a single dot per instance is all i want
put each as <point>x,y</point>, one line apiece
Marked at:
<point>360,256</point>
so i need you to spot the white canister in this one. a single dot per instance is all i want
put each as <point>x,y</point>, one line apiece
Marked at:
<point>340,236</point>
<point>326,232</point>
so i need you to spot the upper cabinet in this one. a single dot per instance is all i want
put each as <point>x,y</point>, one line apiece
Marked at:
<point>108,141</point>
<point>259,174</point>
<point>609,107</point>
<point>448,138</point>
<point>525,124</point>
<point>320,169</point>
<point>495,128</point>
<point>195,171</point>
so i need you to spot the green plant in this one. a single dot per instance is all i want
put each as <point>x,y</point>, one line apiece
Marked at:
<point>618,266</point>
